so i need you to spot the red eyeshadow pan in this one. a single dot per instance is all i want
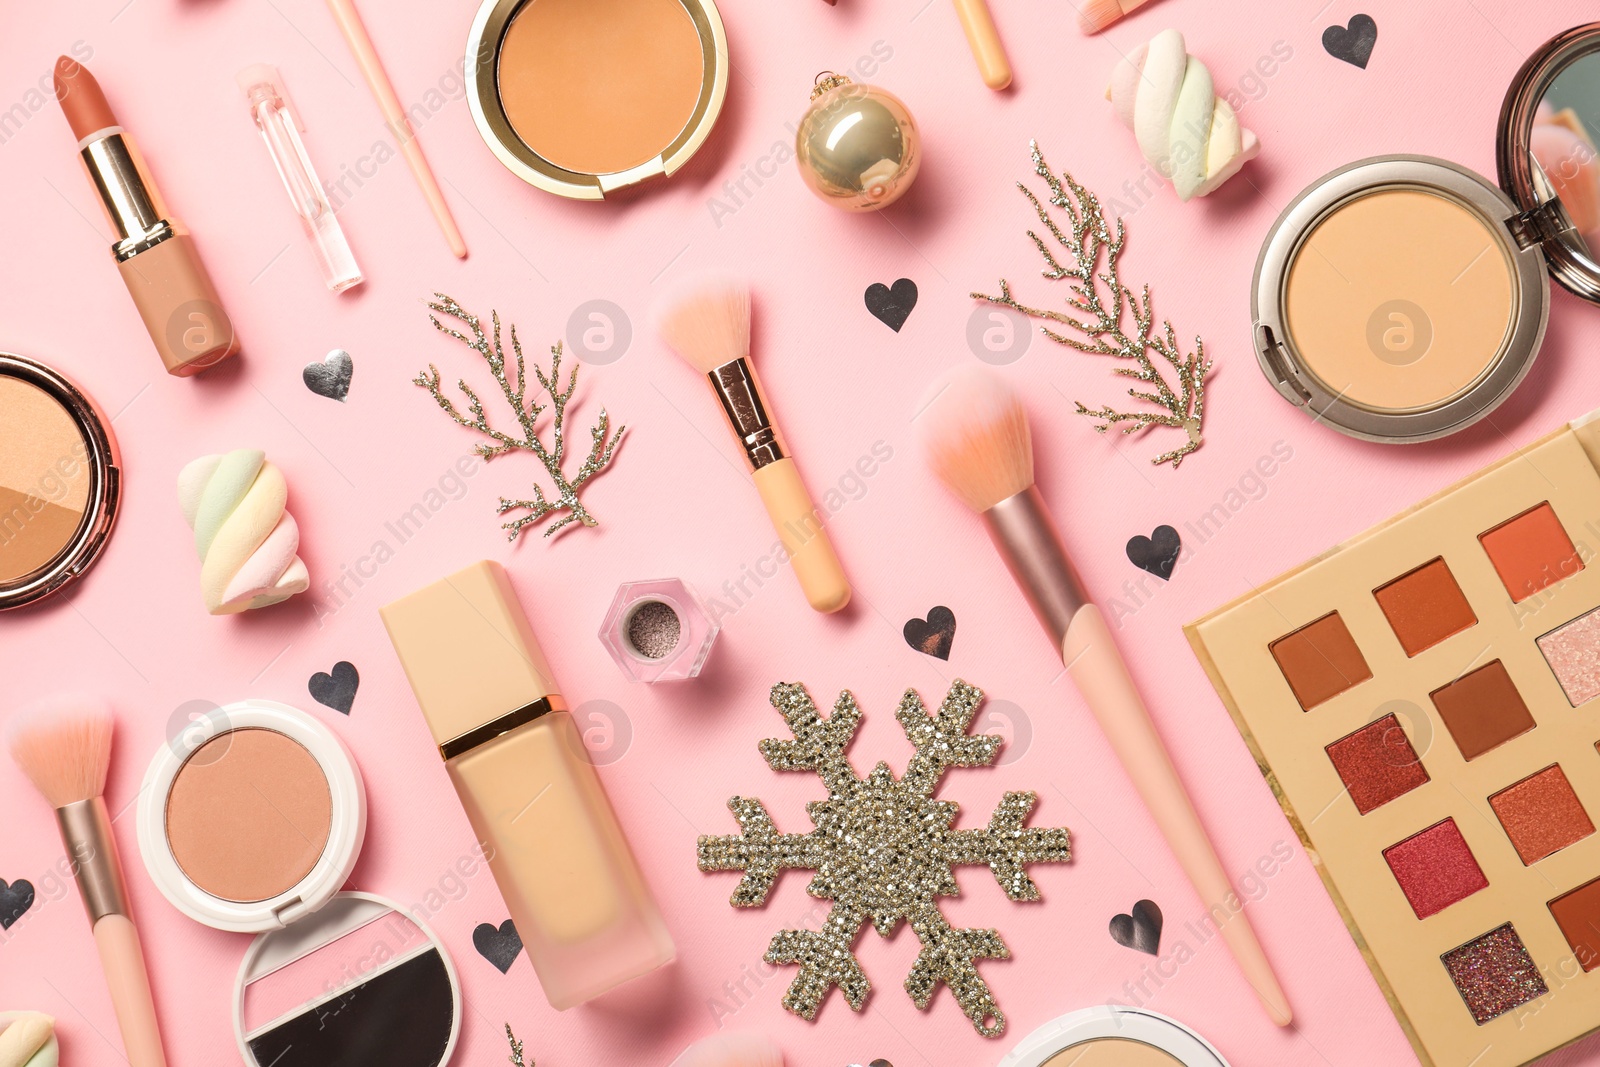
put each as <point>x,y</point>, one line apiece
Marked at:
<point>1531,551</point>
<point>1377,764</point>
<point>1425,607</point>
<point>1435,868</point>
<point>1541,814</point>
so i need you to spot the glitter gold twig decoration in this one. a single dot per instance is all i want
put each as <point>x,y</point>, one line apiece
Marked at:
<point>1100,319</point>
<point>883,850</point>
<point>527,410</point>
<point>516,1049</point>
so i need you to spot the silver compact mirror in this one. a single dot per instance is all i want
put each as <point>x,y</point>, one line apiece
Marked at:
<point>1547,155</point>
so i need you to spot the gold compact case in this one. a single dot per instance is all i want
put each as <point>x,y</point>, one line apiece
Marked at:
<point>1403,298</point>
<point>60,484</point>
<point>586,98</point>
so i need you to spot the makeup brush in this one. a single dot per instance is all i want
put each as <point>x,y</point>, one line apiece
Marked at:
<point>978,24</point>
<point>708,324</point>
<point>64,746</point>
<point>977,441</point>
<point>1096,15</point>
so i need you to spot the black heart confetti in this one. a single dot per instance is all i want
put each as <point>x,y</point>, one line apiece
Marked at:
<point>15,899</point>
<point>1352,43</point>
<point>1157,553</point>
<point>331,377</point>
<point>338,689</point>
<point>932,636</point>
<point>498,946</point>
<point>892,304</point>
<point>1141,930</point>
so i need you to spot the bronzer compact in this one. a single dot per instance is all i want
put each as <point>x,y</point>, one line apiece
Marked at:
<point>60,485</point>
<point>251,820</point>
<point>586,98</point>
<point>1403,298</point>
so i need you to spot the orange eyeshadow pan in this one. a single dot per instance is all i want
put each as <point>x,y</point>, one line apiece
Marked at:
<point>1425,607</point>
<point>1541,814</point>
<point>1320,660</point>
<point>1531,552</point>
<point>1578,915</point>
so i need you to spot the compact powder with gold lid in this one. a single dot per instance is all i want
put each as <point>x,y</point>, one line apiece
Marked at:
<point>60,485</point>
<point>1402,298</point>
<point>584,98</point>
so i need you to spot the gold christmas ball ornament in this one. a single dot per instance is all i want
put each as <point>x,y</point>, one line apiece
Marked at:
<point>857,146</point>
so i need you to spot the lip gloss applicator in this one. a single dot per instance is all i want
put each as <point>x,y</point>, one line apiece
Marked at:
<point>155,254</point>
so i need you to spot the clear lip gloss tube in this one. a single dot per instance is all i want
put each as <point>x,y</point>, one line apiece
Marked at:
<point>280,128</point>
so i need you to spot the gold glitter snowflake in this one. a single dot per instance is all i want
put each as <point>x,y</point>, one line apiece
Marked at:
<point>883,849</point>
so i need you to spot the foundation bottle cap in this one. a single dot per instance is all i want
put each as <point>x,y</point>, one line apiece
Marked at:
<point>468,651</point>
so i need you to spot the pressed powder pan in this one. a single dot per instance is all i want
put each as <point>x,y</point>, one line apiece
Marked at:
<point>60,485</point>
<point>583,98</point>
<point>1402,298</point>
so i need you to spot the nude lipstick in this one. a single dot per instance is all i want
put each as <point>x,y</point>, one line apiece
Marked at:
<point>155,254</point>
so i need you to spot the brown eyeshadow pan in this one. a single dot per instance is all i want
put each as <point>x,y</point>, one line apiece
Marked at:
<point>1482,710</point>
<point>1531,552</point>
<point>1578,915</point>
<point>1541,814</point>
<point>1377,763</point>
<point>1425,606</point>
<point>1320,660</point>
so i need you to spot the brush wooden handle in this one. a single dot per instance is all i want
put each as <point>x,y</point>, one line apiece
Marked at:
<point>1102,677</point>
<point>804,539</point>
<point>978,24</point>
<point>123,962</point>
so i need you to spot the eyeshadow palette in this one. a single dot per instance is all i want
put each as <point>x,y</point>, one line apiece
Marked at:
<point>1424,701</point>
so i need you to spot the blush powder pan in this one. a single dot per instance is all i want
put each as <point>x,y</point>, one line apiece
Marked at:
<point>585,98</point>
<point>253,817</point>
<point>60,483</point>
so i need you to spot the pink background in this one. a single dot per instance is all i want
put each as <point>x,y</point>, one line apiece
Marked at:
<point>677,501</point>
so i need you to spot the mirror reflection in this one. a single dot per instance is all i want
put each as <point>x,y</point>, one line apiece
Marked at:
<point>1563,142</point>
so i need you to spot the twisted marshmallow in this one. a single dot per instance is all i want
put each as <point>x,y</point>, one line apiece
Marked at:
<point>246,540</point>
<point>1188,133</point>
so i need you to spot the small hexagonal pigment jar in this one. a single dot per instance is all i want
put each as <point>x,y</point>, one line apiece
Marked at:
<point>658,631</point>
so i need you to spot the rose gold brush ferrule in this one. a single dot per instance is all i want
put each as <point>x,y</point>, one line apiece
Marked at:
<point>86,831</point>
<point>745,404</point>
<point>1026,537</point>
<point>133,206</point>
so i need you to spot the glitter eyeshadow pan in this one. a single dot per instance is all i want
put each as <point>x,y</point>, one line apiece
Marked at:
<point>654,629</point>
<point>1531,552</point>
<point>1541,814</point>
<point>1425,607</point>
<point>1377,764</point>
<point>1573,652</point>
<point>1482,710</point>
<point>1320,660</point>
<point>1435,868</point>
<point>1494,973</point>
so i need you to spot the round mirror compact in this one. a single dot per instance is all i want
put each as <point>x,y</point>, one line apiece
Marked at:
<point>1403,298</point>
